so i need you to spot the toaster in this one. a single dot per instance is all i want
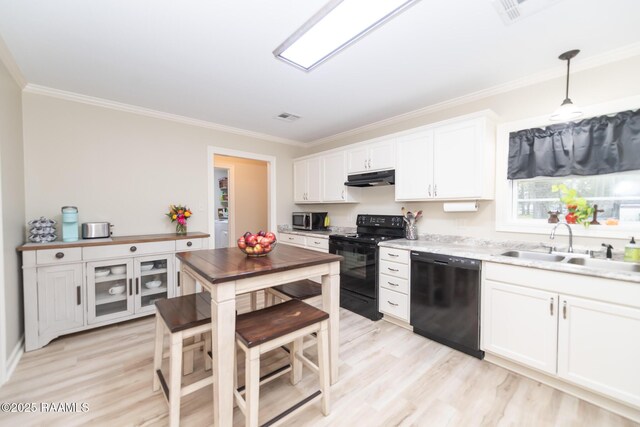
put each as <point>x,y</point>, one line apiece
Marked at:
<point>96,230</point>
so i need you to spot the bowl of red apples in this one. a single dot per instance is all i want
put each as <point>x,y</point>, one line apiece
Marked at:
<point>256,245</point>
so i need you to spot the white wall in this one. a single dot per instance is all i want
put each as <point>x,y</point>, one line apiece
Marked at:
<point>589,87</point>
<point>12,209</point>
<point>127,168</point>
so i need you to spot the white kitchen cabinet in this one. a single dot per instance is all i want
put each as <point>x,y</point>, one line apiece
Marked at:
<point>452,161</point>
<point>521,324</point>
<point>307,180</point>
<point>599,347</point>
<point>60,299</point>
<point>334,175</point>
<point>414,166</point>
<point>394,288</point>
<point>371,157</point>
<point>110,290</point>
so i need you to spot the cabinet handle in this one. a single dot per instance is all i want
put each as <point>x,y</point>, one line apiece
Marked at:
<point>369,163</point>
<point>178,274</point>
<point>435,190</point>
<point>78,296</point>
<point>133,249</point>
<point>365,163</point>
<point>394,255</point>
<point>60,255</point>
<point>429,190</point>
<point>290,238</point>
<point>564,310</point>
<point>137,285</point>
<point>392,303</point>
<point>392,269</point>
<point>189,244</point>
<point>316,242</point>
<point>393,284</point>
<point>130,287</point>
<point>551,306</point>
<point>342,194</point>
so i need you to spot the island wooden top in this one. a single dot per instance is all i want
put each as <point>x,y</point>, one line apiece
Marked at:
<point>115,240</point>
<point>228,264</point>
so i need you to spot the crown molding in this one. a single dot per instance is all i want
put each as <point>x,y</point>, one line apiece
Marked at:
<point>128,108</point>
<point>7,59</point>
<point>615,55</point>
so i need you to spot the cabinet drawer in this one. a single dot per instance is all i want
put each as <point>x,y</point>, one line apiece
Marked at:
<point>394,304</point>
<point>394,269</point>
<point>317,243</point>
<point>395,255</point>
<point>52,256</point>
<point>188,245</point>
<point>292,239</point>
<point>133,249</point>
<point>394,283</point>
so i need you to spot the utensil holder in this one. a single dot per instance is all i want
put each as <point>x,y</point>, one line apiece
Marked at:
<point>411,232</point>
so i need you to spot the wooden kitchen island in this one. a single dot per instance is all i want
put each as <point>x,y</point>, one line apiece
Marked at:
<point>226,273</point>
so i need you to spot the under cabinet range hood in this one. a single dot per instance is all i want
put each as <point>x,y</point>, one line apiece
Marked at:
<point>370,179</point>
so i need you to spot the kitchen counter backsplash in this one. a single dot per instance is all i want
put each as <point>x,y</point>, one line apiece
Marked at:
<point>491,250</point>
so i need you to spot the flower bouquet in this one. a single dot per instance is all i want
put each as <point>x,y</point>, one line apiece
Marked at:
<point>179,214</point>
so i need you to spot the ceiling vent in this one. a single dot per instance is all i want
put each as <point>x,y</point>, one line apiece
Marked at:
<point>287,117</point>
<point>514,10</point>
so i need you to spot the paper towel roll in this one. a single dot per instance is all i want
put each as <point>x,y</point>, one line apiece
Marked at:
<point>460,207</point>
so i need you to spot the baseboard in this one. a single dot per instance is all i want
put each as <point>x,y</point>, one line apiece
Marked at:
<point>607,403</point>
<point>14,358</point>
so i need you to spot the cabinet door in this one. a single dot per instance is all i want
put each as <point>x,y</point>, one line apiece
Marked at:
<point>358,160</point>
<point>521,324</point>
<point>60,299</point>
<point>382,155</point>
<point>299,181</point>
<point>109,289</point>
<point>333,177</point>
<point>457,170</point>
<point>153,280</point>
<point>414,167</point>
<point>599,347</point>
<point>314,180</point>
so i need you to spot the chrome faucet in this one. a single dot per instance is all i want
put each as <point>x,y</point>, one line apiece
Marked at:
<point>553,235</point>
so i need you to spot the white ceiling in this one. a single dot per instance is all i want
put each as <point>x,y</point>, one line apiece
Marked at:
<point>211,59</point>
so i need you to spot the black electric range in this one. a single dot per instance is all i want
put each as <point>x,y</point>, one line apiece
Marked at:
<point>359,269</point>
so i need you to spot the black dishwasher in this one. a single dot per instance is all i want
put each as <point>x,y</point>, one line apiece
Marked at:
<point>445,300</point>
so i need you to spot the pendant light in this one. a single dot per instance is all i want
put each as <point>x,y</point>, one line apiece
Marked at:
<point>567,111</point>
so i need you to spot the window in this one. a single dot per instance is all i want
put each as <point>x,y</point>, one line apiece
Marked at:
<point>618,194</point>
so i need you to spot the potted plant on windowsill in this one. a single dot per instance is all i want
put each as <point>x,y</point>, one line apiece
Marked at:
<point>578,210</point>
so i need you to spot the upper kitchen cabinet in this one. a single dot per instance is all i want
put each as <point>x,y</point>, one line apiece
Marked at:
<point>449,161</point>
<point>371,157</point>
<point>334,175</point>
<point>307,180</point>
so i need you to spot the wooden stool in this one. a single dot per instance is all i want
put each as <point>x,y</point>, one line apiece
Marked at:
<point>183,317</point>
<point>302,289</point>
<point>263,330</point>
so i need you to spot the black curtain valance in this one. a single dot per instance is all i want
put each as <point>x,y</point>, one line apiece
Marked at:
<point>594,146</point>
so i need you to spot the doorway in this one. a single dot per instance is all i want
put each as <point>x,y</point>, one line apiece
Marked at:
<point>241,195</point>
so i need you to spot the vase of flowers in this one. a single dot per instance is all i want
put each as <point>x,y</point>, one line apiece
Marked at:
<point>179,214</point>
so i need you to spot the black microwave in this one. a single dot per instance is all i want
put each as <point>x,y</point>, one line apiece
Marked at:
<point>308,220</point>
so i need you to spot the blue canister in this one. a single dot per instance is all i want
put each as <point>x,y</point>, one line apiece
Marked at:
<point>69,224</point>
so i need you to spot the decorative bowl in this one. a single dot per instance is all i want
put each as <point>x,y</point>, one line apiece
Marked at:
<point>119,269</point>
<point>102,272</point>
<point>153,284</point>
<point>248,249</point>
<point>146,266</point>
<point>117,289</point>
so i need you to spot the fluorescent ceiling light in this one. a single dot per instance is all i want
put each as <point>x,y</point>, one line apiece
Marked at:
<point>334,27</point>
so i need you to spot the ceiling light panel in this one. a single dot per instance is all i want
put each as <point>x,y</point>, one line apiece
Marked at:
<point>334,27</point>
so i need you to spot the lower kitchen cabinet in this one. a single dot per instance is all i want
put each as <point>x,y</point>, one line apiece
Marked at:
<point>60,299</point>
<point>599,347</point>
<point>521,324</point>
<point>579,329</point>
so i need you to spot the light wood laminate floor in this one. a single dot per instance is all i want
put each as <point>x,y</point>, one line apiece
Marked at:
<point>388,377</point>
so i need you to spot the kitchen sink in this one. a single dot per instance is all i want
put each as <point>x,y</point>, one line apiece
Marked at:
<point>535,256</point>
<point>606,265</point>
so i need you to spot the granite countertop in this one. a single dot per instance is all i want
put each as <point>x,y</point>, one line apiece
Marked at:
<point>491,250</point>
<point>322,234</point>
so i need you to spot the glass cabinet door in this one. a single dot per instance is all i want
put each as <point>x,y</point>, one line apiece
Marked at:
<point>110,290</point>
<point>153,281</point>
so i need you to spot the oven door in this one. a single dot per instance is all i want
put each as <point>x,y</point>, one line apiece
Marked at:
<point>358,268</point>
